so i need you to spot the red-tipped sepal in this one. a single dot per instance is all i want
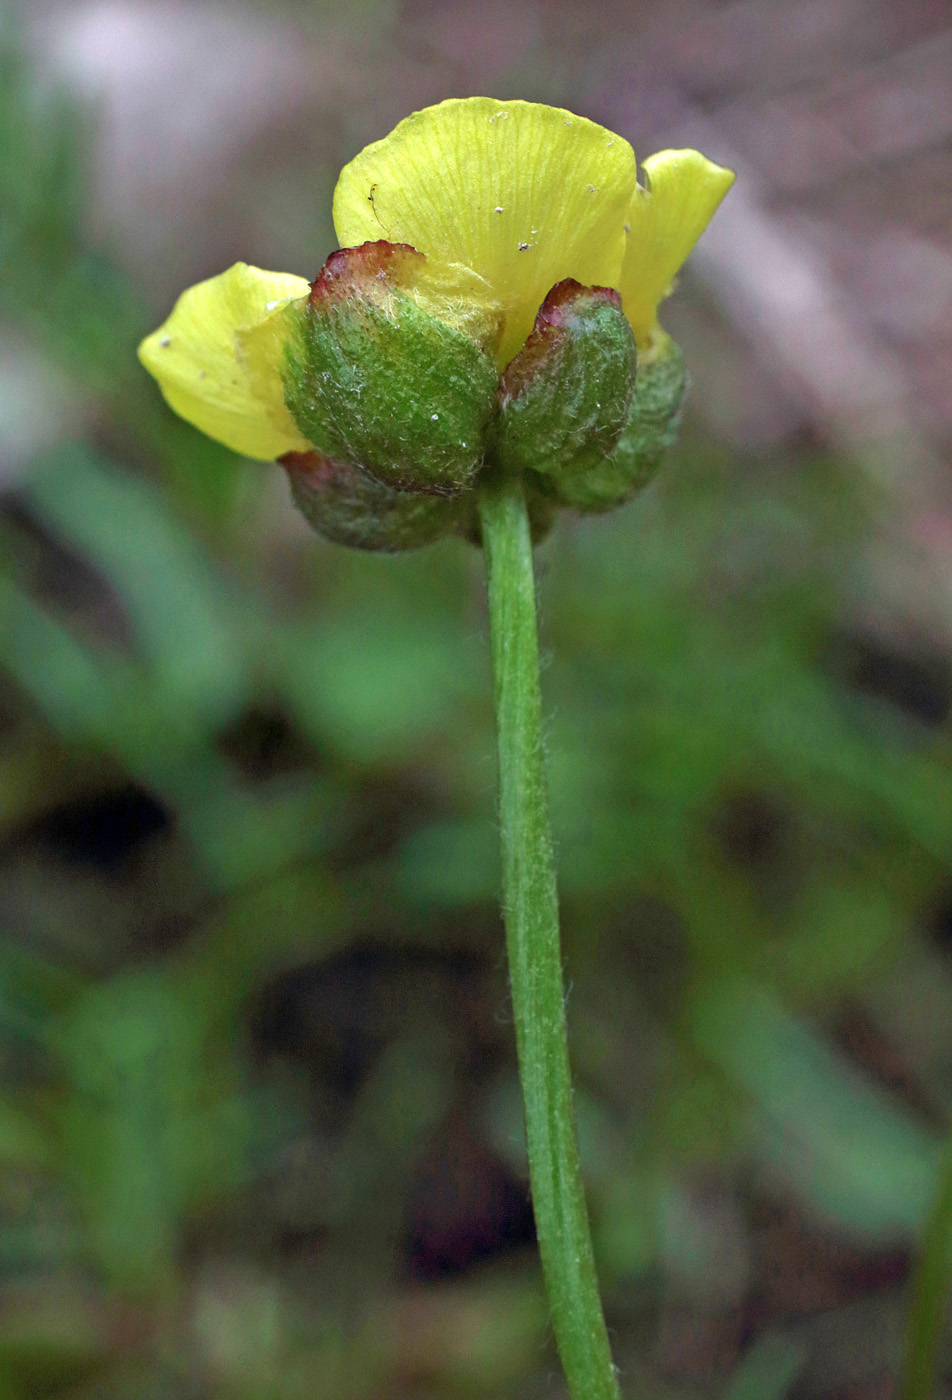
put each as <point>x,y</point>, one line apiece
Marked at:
<point>374,378</point>
<point>564,399</point>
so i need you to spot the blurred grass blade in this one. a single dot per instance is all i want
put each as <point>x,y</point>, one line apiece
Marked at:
<point>152,1124</point>
<point>768,1370</point>
<point>183,618</point>
<point>849,1150</point>
<point>76,689</point>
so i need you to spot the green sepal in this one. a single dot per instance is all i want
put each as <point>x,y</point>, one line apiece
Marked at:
<point>564,399</point>
<point>347,506</point>
<point>651,430</point>
<point>372,377</point>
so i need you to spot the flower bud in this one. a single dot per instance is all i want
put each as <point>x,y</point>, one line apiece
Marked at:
<point>651,429</point>
<point>565,398</point>
<point>374,378</point>
<point>347,506</point>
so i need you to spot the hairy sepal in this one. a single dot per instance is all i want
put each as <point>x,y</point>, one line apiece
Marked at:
<point>348,506</point>
<point>374,378</point>
<point>564,400</point>
<point>651,430</point>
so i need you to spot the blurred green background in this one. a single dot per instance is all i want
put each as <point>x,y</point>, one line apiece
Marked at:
<point>259,1119</point>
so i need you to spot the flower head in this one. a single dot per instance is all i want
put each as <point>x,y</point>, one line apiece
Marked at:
<point>476,211</point>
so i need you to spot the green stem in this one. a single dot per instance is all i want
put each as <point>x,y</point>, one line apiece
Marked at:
<point>530,907</point>
<point>931,1286</point>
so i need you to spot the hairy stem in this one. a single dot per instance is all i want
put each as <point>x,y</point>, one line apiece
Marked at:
<point>931,1287</point>
<point>530,908</point>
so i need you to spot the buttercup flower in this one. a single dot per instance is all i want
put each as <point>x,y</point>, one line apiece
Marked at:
<point>476,233</point>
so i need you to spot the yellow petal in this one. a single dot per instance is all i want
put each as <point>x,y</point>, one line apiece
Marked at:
<point>504,198</point>
<point>666,219</point>
<point>212,376</point>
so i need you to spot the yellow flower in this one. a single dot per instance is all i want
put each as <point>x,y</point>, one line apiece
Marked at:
<point>200,361</point>
<point>667,216</point>
<point>504,199</point>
